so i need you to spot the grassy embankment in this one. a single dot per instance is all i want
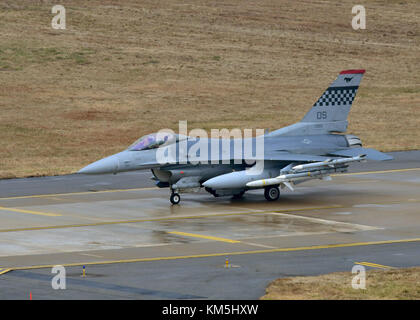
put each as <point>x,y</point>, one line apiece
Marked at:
<point>392,284</point>
<point>69,97</point>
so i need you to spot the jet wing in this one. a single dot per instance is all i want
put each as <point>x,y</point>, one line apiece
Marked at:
<point>268,156</point>
<point>371,154</point>
<point>288,156</point>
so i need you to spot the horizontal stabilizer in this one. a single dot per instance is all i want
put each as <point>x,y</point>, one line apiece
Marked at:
<point>371,154</point>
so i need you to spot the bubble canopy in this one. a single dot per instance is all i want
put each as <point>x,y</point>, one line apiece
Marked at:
<point>154,140</point>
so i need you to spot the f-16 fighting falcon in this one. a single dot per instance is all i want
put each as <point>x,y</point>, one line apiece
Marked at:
<point>310,149</point>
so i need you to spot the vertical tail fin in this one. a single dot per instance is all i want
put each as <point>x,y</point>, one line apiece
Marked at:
<point>330,111</point>
<point>335,102</point>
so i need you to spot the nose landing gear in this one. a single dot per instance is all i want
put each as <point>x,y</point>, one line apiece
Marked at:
<point>175,197</point>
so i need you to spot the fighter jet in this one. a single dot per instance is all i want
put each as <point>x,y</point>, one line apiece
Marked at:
<point>313,148</point>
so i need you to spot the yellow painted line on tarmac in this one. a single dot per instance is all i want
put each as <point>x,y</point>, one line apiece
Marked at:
<point>76,193</point>
<point>3,271</point>
<point>372,172</point>
<point>104,223</point>
<point>222,254</point>
<point>48,214</point>
<point>194,235</point>
<point>373,265</point>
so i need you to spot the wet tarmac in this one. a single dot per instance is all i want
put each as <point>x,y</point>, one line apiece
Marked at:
<point>135,245</point>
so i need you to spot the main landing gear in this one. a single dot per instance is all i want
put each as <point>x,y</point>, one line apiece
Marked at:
<point>272,193</point>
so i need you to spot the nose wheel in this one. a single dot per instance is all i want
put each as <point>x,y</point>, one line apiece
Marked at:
<point>175,198</point>
<point>272,193</point>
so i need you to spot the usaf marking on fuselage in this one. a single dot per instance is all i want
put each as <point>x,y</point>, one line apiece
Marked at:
<point>310,149</point>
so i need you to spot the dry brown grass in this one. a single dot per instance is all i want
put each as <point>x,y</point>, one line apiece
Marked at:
<point>380,284</point>
<point>126,68</point>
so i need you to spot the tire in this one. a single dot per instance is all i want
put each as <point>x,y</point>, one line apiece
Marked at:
<point>272,193</point>
<point>175,198</point>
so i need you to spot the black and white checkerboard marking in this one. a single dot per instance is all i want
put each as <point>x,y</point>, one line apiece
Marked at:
<point>337,96</point>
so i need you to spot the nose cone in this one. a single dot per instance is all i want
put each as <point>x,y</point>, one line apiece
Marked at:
<point>105,165</point>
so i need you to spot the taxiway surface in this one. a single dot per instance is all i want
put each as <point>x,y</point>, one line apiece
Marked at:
<point>135,245</point>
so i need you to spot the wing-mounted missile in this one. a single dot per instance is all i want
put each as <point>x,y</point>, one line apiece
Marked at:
<point>287,180</point>
<point>329,163</point>
<point>316,170</point>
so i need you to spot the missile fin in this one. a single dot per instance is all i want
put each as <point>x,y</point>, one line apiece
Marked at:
<point>288,184</point>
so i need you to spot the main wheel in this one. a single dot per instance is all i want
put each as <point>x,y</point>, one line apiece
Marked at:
<point>272,193</point>
<point>175,198</point>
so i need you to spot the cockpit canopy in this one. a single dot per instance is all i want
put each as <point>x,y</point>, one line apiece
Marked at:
<point>154,140</point>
